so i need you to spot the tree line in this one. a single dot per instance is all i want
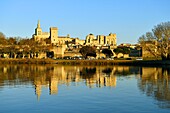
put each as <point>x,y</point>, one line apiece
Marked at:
<point>91,51</point>
<point>16,47</point>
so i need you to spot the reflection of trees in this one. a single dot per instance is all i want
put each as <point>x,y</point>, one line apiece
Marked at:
<point>39,74</point>
<point>155,82</point>
<point>51,76</point>
<point>88,72</point>
<point>108,71</point>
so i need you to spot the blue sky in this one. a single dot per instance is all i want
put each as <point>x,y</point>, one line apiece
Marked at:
<point>129,19</point>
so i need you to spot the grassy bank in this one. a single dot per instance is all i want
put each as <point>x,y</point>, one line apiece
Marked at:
<point>87,62</point>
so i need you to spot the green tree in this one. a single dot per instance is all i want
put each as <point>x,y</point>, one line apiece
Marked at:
<point>117,50</point>
<point>124,50</point>
<point>107,52</point>
<point>88,51</point>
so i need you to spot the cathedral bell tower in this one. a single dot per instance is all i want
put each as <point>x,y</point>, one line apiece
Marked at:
<point>38,30</point>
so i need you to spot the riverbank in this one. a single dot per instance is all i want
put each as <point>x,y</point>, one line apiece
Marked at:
<point>27,61</point>
<point>87,62</point>
<point>154,63</point>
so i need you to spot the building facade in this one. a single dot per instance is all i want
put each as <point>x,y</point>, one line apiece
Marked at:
<point>62,43</point>
<point>109,40</point>
<point>150,50</point>
<point>52,36</point>
<point>39,35</point>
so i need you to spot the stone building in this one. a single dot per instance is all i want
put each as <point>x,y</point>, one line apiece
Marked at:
<point>63,43</point>
<point>53,37</point>
<point>149,49</point>
<point>39,35</point>
<point>101,40</point>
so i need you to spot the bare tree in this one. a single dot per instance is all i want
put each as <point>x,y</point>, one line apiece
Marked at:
<point>162,34</point>
<point>157,41</point>
<point>3,41</point>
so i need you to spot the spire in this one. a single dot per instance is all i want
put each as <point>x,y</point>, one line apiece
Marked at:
<point>38,25</point>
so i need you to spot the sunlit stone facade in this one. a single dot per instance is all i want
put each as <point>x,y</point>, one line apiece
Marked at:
<point>39,35</point>
<point>53,37</point>
<point>101,40</point>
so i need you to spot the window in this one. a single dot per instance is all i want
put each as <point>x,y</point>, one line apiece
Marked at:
<point>89,40</point>
<point>39,32</point>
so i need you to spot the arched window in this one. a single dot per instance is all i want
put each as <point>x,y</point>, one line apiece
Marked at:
<point>89,40</point>
<point>39,32</point>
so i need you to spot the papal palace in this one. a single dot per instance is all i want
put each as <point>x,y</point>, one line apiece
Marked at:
<point>55,39</point>
<point>62,43</point>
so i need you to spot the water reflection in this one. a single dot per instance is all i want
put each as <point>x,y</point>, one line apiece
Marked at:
<point>51,76</point>
<point>152,81</point>
<point>155,82</point>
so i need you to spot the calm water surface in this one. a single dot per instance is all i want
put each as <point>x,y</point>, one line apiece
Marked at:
<point>77,89</point>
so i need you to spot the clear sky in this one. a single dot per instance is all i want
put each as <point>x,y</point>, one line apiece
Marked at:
<point>129,19</point>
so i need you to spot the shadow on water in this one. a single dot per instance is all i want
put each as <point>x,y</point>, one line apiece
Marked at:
<point>152,81</point>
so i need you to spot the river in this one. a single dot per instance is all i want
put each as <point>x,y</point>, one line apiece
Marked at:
<point>84,89</point>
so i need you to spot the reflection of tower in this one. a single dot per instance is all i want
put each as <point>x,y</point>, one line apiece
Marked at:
<point>53,85</point>
<point>113,81</point>
<point>107,81</point>
<point>4,69</point>
<point>38,91</point>
<point>101,81</point>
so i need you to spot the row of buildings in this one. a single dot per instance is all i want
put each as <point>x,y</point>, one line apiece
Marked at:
<point>61,44</point>
<point>51,44</point>
<point>55,39</point>
<point>54,46</point>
